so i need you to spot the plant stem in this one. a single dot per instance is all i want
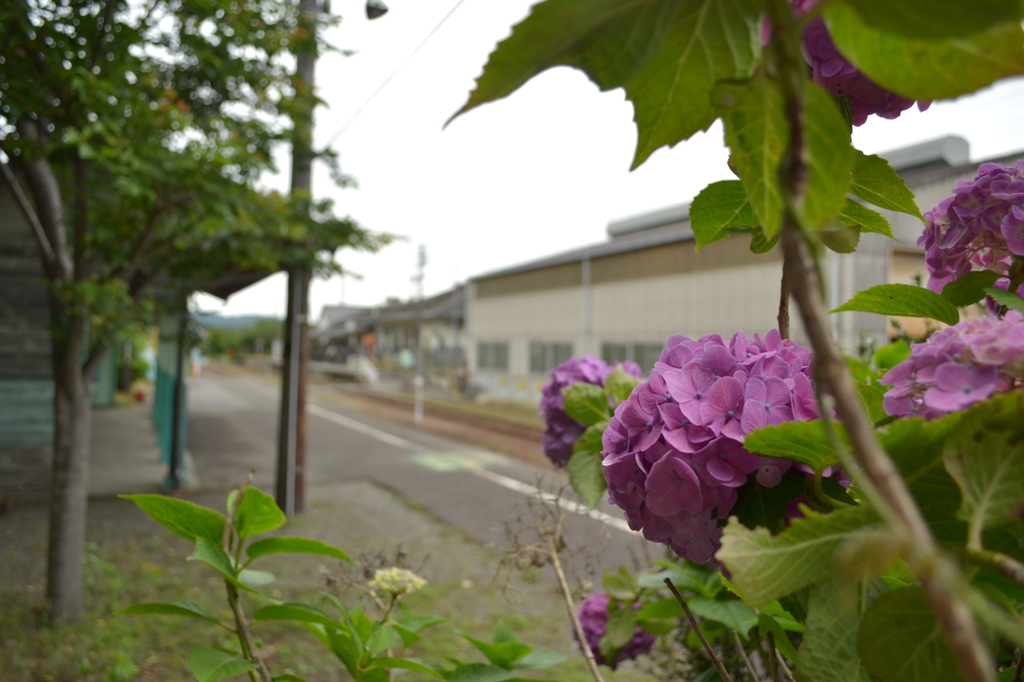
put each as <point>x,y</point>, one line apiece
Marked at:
<point>567,596</point>
<point>785,293</point>
<point>1008,566</point>
<point>936,574</point>
<point>1020,667</point>
<point>743,655</point>
<point>785,668</point>
<point>722,672</point>
<point>773,665</point>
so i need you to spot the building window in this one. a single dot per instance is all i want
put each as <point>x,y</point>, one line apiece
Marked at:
<point>492,355</point>
<point>546,356</point>
<point>643,354</point>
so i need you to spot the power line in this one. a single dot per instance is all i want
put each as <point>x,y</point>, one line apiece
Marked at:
<point>394,73</point>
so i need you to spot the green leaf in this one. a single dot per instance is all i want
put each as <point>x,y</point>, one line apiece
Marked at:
<point>214,556</point>
<point>987,464</point>
<point>899,640</point>
<point>927,69</point>
<point>256,578</point>
<point>902,300</point>
<point>620,385</point>
<point>830,158</point>
<point>621,627</point>
<point>502,634</point>
<point>297,612</point>
<point>586,476</point>
<point>767,623</point>
<point>662,609</point>
<point>887,357</point>
<point>858,215</point>
<point>828,652</point>
<point>287,677</point>
<point>295,546</point>
<point>609,39</point>
<point>935,18</point>
<point>969,288</point>
<point>1005,298</point>
<point>257,513</point>
<point>209,664</point>
<point>719,210</point>
<point>872,398</point>
<point>493,652</point>
<point>181,607</point>
<point>480,672</point>
<point>761,244</point>
<point>730,613</point>
<point>586,403</point>
<point>419,623</point>
<point>842,239</point>
<point>590,440</point>
<point>756,132</point>
<point>765,568</point>
<point>403,664</point>
<point>875,181</point>
<point>803,442</point>
<point>710,41</point>
<point>184,519</point>
<point>539,658</point>
<point>757,505</point>
<point>619,585</point>
<point>683,578</point>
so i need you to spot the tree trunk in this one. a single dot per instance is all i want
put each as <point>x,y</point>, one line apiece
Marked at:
<point>69,491</point>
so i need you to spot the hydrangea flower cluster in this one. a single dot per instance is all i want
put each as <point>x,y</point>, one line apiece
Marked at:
<point>673,452</point>
<point>957,367</point>
<point>841,78</point>
<point>980,227</point>
<point>396,581</point>
<point>562,430</point>
<point>593,616</point>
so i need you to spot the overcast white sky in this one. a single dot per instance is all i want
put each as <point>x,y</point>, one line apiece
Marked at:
<point>540,172</point>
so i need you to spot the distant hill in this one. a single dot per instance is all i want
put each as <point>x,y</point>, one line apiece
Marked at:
<point>231,321</point>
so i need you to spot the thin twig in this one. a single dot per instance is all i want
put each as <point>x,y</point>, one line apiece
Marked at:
<point>786,291</point>
<point>743,655</point>
<point>1008,566</point>
<point>567,596</point>
<point>785,668</point>
<point>722,672</point>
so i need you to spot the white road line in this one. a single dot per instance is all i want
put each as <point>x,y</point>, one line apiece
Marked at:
<point>503,481</point>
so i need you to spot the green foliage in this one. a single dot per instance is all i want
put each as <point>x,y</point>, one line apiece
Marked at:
<point>970,288</point>
<point>184,519</point>
<point>586,403</point>
<point>721,209</point>
<point>936,19</point>
<point>620,385</point>
<point>209,665</point>
<point>1006,299</point>
<point>875,181</point>
<point>829,650</point>
<point>257,513</point>
<point>293,546</point>
<point>904,300</point>
<point>804,442</point>
<point>181,607</point>
<point>586,476</point>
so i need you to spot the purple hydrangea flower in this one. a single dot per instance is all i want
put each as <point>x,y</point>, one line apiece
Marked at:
<point>957,367</point>
<point>980,227</point>
<point>593,615</point>
<point>562,431</point>
<point>673,452</point>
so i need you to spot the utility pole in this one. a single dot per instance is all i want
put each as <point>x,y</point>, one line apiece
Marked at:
<point>291,451</point>
<point>418,380</point>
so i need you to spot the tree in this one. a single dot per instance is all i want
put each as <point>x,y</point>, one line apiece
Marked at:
<point>140,131</point>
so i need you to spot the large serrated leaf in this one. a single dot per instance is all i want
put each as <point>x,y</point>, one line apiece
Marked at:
<point>875,181</point>
<point>586,403</point>
<point>293,545</point>
<point>609,39</point>
<point>830,158</point>
<point>620,385</point>
<point>209,665</point>
<point>731,613</point>
<point>766,567</point>
<point>969,288</point>
<point>987,463</point>
<point>298,612</point>
<point>586,476</point>
<point>804,442</point>
<point>903,300</point>
<point>899,640</point>
<point>927,69</point>
<point>859,215</point>
<point>590,440</point>
<point>828,652</point>
<point>184,519</point>
<point>710,41</point>
<point>756,132</point>
<point>719,210</point>
<point>1005,298</point>
<point>935,18</point>
<point>757,505</point>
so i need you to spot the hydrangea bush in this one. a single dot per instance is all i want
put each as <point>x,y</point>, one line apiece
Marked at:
<point>593,615</point>
<point>562,431</point>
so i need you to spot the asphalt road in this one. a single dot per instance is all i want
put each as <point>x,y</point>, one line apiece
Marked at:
<point>233,427</point>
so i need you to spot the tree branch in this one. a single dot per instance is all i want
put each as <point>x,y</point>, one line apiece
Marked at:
<point>49,207</point>
<point>49,257</point>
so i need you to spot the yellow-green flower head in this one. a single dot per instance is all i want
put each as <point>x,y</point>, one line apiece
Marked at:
<point>396,581</point>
